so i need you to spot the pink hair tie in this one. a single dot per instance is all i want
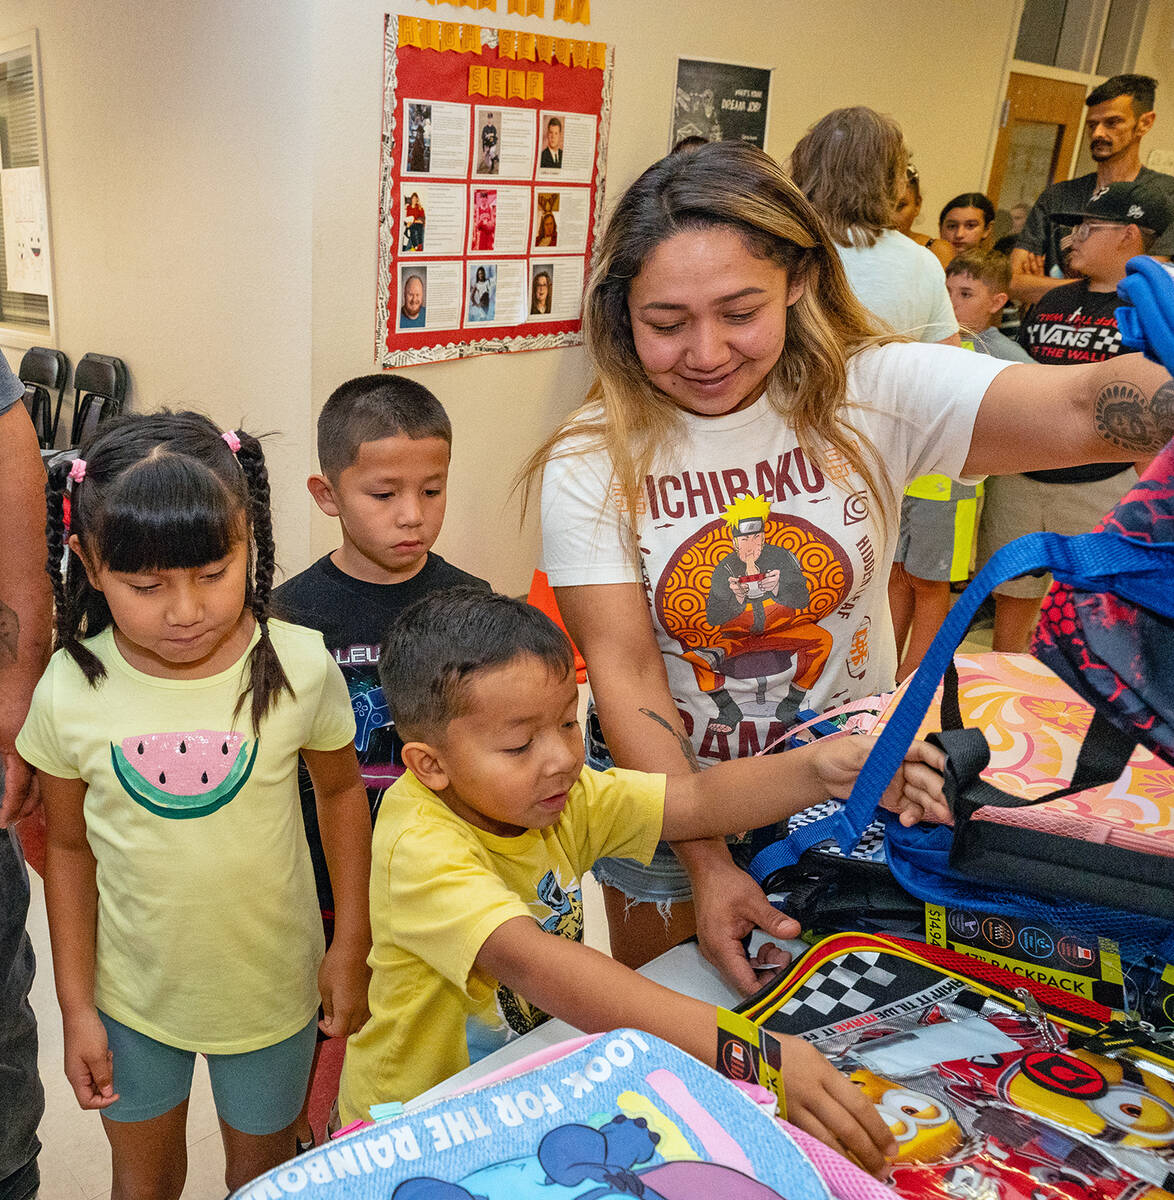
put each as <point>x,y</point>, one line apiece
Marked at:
<point>234,443</point>
<point>77,472</point>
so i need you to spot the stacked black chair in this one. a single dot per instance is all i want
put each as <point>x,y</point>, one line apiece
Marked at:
<point>99,383</point>
<point>43,373</point>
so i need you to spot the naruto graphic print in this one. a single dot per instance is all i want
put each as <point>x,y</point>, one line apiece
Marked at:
<point>764,563</point>
<point>744,596</point>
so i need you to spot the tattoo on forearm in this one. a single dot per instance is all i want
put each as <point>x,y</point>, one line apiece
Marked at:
<point>1125,418</point>
<point>9,634</point>
<point>682,741</point>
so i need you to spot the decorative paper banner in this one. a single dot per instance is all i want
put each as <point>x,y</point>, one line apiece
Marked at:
<point>448,36</point>
<point>491,188</point>
<point>526,8</point>
<point>489,4</point>
<point>577,12</point>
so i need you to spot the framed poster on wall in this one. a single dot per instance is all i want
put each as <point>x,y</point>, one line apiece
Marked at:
<point>720,102</point>
<point>491,188</point>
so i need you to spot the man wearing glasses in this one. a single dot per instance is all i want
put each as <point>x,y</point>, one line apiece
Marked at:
<point>1120,114</point>
<point>1073,323</point>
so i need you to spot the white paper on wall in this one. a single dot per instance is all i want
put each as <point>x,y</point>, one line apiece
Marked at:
<point>26,230</point>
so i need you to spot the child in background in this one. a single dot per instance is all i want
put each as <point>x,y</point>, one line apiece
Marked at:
<point>966,221</point>
<point>383,447</point>
<point>977,281</point>
<point>166,732</point>
<point>908,210</point>
<point>480,847</point>
<point>1073,324</point>
<point>939,517</point>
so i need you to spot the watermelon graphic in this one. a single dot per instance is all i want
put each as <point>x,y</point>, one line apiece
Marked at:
<point>185,774</point>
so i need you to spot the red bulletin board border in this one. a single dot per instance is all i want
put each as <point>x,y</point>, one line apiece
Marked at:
<point>443,76</point>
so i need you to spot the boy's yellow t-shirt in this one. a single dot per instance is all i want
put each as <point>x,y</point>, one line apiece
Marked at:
<point>439,888</point>
<point>209,935</point>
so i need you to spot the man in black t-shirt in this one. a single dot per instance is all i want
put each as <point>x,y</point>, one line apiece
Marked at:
<point>1072,324</point>
<point>1120,114</point>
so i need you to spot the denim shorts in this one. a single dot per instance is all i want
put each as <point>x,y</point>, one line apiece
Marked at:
<point>664,880</point>
<point>259,1092</point>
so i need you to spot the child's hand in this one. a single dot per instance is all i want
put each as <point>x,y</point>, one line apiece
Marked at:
<point>89,1063</point>
<point>915,791</point>
<point>342,984</point>
<point>827,1105</point>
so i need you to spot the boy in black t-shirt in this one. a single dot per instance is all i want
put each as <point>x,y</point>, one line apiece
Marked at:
<point>383,447</point>
<point>1072,324</point>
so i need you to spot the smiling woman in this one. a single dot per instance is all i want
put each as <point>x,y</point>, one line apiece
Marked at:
<point>719,518</point>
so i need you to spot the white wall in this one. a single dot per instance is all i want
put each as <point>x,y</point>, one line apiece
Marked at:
<point>179,188</point>
<point>824,56</point>
<point>214,167</point>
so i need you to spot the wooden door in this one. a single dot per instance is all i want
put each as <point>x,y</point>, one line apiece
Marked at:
<point>1042,121</point>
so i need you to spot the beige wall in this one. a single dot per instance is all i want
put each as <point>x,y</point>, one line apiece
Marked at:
<point>214,166</point>
<point>179,191</point>
<point>824,56</point>
<point>1155,57</point>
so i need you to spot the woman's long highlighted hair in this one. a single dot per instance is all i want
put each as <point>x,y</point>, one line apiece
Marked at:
<point>724,185</point>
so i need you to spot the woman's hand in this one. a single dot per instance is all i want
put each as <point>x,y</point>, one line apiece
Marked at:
<point>730,906</point>
<point>342,984</point>
<point>89,1063</point>
<point>829,1106</point>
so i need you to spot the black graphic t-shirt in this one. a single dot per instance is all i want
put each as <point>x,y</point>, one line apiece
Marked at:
<point>353,617</point>
<point>1041,233</point>
<point>1072,325</point>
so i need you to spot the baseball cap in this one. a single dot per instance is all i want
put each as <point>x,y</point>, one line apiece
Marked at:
<point>1134,203</point>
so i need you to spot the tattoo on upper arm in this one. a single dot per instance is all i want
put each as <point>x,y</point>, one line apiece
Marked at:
<point>1125,418</point>
<point>9,633</point>
<point>682,741</point>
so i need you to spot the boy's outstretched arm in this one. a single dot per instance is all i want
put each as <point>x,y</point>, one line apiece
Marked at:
<point>748,793</point>
<point>595,993</point>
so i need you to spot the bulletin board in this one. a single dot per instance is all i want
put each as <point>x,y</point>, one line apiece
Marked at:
<point>491,188</point>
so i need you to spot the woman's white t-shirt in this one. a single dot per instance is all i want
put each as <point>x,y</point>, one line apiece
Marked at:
<point>738,670</point>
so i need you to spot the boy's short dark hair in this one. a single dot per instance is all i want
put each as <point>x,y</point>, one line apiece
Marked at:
<point>436,644</point>
<point>372,407</point>
<point>1139,88</point>
<point>987,266</point>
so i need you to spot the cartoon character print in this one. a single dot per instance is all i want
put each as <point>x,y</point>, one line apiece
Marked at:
<point>1111,1102</point>
<point>565,919</point>
<point>611,1156</point>
<point>744,597</point>
<point>924,1127</point>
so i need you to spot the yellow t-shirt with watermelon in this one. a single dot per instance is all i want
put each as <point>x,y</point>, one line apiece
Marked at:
<point>209,936</point>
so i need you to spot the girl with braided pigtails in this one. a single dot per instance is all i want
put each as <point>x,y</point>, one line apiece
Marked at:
<point>166,733</point>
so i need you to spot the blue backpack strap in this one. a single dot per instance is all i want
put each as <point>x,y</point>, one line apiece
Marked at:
<point>1094,562</point>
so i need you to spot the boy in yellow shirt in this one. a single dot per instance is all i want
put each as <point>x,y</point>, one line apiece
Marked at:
<point>479,847</point>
